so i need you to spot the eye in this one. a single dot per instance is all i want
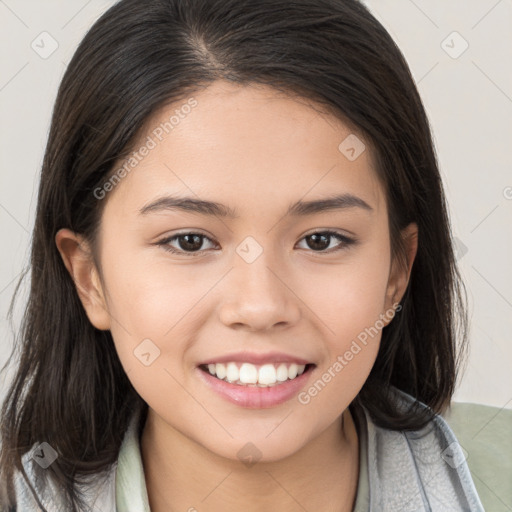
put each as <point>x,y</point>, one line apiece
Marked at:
<point>317,241</point>
<point>190,243</point>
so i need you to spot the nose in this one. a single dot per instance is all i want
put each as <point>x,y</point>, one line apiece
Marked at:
<point>257,297</point>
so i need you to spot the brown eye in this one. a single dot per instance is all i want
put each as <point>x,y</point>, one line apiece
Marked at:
<point>187,243</point>
<point>190,242</point>
<point>320,241</point>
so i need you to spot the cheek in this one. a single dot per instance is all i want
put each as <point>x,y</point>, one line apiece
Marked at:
<point>352,307</point>
<point>153,307</point>
<point>350,300</point>
<point>348,297</point>
<point>149,295</point>
<point>154,324</point>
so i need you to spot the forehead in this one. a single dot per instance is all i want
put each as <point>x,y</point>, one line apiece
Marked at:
<point>249,148</point>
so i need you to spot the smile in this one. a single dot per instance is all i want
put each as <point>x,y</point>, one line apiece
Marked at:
<point>255,386</point>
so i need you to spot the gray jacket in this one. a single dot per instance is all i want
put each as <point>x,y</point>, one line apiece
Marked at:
<point>408,471</point>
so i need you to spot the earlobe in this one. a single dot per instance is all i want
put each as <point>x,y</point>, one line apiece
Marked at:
<point>77,258</point>
<point>399,278</point>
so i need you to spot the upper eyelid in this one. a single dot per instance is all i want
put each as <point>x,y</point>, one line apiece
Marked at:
<point>315,231</point>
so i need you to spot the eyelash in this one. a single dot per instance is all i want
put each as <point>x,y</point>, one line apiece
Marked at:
<point>347,242</point>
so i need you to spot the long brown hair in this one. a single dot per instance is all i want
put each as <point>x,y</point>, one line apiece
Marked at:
<point>69,388</point>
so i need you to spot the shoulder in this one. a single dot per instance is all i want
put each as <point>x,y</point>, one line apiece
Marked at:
<point>425,469</point>
<point>98,491</point>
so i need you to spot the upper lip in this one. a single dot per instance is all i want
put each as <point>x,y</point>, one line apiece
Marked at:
<point>256,358</point>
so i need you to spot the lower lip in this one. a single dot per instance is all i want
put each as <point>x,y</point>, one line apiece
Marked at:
<point>256,397</point>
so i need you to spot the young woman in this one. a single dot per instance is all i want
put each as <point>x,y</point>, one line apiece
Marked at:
<point>243,290</point>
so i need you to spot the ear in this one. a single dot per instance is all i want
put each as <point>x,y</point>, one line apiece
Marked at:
<point>77,257</point>
<point>399,276</point>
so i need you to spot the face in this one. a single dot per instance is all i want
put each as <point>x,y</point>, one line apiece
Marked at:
<point>261,284</point>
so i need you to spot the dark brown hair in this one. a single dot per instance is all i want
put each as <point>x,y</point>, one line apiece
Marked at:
<point>69,388</point>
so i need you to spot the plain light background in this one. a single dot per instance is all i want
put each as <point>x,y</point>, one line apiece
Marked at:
<point>460,54</point>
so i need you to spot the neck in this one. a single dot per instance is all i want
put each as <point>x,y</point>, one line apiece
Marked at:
<point>183,475</point>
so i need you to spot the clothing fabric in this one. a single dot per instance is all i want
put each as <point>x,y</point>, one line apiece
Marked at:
<point>409,471</point>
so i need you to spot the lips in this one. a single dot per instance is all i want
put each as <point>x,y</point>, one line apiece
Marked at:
<point>255,379</point>
<point>252,396</point>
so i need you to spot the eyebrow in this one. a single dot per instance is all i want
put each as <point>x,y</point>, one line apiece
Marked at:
<point>297,209</point>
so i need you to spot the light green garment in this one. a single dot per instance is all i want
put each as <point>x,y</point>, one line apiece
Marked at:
<point>131,492</point>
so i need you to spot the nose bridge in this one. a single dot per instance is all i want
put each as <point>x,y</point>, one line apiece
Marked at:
<point>253,275</point>
<point>256,294</point>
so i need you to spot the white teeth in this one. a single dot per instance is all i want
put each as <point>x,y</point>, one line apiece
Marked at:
<point>282,372</point>
<point>220,371</point>
<point>232,372</point>
<point>248,374</point>
<point>266,375</point>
